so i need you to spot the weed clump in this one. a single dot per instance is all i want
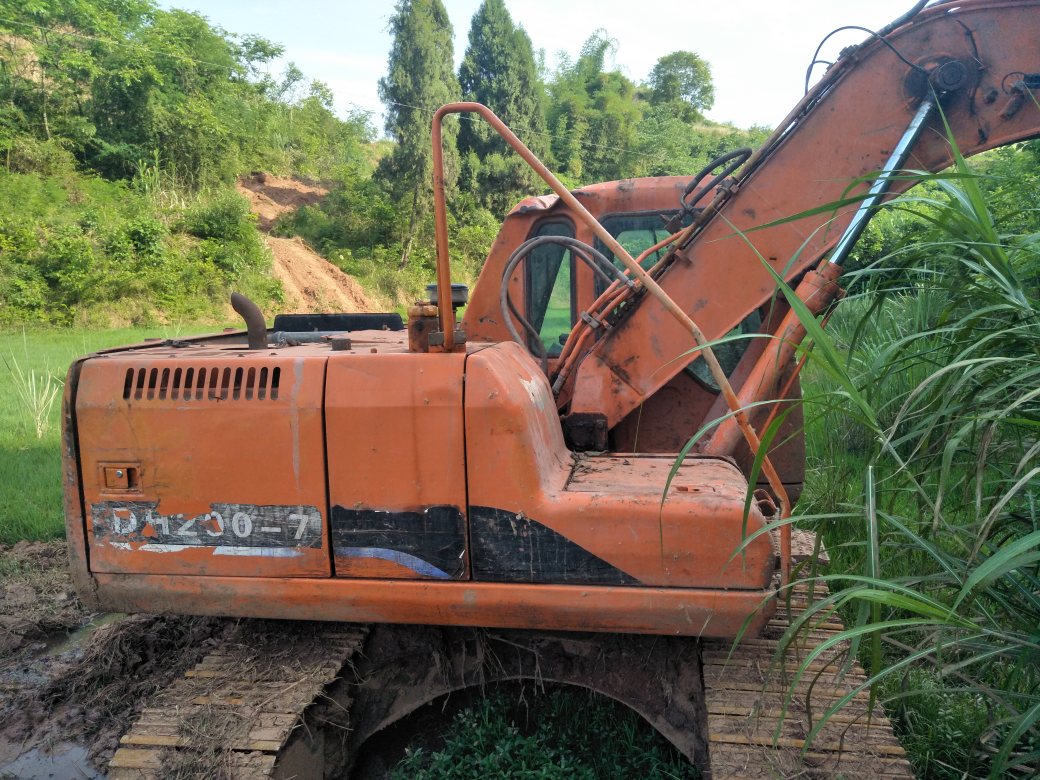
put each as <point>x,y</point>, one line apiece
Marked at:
<point>561,733</point>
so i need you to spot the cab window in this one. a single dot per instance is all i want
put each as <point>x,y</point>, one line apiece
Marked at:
<point>550,288</point>
<point>728,354</point>
<point>636,233</point>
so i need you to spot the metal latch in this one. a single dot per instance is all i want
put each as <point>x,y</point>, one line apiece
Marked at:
<point>120,476</point>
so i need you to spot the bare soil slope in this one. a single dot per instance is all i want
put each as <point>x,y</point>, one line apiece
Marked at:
<point>312,284</point>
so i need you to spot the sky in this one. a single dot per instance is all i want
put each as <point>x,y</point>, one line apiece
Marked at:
<point>758,49</point>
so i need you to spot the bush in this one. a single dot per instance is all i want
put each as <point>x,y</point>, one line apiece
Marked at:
<point>81,249</point>
<point>560,734</point>
<point>225,218</point>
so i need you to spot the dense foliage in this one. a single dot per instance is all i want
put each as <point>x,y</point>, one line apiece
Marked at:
<point>558,733</point>
<point>115,82</point>
<point>587,122</point>
<point>923,418</point>
<point>420,79</point>
<point>122,129</point>
<point>117,117</point>
<point>90,251</point>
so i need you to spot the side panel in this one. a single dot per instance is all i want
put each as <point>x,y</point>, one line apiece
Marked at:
<point>541,515</point>
<point>397,465</point>
<point>220,473</point>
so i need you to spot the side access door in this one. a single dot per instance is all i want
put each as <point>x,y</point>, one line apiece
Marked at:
<point>203,461</point>
<point>397,465</point>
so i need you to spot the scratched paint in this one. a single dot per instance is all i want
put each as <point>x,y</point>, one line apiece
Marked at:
<point>254,552</point>
<point>230,527</point>
<point>536,389</point>
<point>431,542</point>
<point>418,565</point>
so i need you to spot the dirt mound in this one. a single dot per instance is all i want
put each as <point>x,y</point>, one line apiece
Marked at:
<point>271,196</point>
<point>312,284</point>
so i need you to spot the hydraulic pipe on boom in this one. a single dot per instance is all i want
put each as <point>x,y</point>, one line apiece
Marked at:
<point>818,289</point>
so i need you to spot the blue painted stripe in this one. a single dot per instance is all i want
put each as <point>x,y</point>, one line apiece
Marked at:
<point>418,565</point>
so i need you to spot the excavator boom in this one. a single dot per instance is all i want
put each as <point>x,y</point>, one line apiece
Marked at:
<point>845,132</point>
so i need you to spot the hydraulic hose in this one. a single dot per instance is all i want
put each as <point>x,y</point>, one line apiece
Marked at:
<point>591,257</point>
<point>608,300</point>
<point>739,157</point>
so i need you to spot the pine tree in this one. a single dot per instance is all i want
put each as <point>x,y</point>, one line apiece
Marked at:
<point>499,71</point>
<point>420,79</point>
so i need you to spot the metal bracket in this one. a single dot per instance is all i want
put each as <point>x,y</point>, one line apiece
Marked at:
<point>436,339</point>
<point>592,322</point>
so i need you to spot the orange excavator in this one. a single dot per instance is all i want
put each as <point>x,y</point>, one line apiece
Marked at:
<point>515,469</point>
<point>512,469</point>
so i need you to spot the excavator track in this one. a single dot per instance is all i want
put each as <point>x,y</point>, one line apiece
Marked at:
<point>745,693</point>
<point>297,700</point>
<point>242,707</point>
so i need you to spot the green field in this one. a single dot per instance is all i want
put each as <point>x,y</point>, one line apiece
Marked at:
<point>30,486</point>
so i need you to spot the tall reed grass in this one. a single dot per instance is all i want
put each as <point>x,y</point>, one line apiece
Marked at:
<point>923,418</point>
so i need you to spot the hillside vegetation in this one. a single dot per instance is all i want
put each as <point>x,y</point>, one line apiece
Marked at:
<point>124,126</point>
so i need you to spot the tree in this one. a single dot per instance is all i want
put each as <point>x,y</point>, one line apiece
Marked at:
<point>121,84</point>
<point>685,76</point>
<point>420,78</point>
<point>593,115</point>
<point>499,70</point>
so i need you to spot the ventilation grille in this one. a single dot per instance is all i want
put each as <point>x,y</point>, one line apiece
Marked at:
<point>199,384</point>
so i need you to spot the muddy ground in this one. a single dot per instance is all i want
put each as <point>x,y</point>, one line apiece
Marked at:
<point>70,676</point>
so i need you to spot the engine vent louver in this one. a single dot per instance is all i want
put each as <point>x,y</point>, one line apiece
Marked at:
<point>205,383</point>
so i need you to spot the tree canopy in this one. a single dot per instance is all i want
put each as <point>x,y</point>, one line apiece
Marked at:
<point>593,114</point>
<point>499,70</point>
<point>115,82</point>
<point>160,111</point>
<point>685,76</point>
<point>420,79</point>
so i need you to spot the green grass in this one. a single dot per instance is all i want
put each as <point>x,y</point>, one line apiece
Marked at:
<point>923,419</point>
<point>30,466</point>
<point>562,733</point>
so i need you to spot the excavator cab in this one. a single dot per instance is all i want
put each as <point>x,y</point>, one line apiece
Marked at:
<point>552,288</point>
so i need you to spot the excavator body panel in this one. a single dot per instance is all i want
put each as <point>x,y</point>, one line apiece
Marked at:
<point>204,461</point>
<point>451,497</point>
<point>594,519</point>
<point>397,465</point>
<point>441,479</point>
